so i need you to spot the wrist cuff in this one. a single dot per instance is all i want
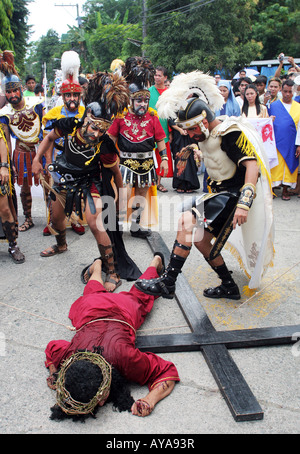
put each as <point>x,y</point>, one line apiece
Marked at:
<point>247,196</point>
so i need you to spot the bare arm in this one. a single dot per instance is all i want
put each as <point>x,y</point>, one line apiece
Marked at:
<point>4,171</point>
<point>241,215</point>
<point>164,163</point>
<point>143,407</point>
<point>52,378</point>
<point>47,144</point>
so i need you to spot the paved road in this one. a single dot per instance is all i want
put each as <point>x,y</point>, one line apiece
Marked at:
<point>45,289</point>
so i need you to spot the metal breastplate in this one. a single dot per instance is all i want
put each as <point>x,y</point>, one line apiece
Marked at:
<point>25,124</point>
<point>219,166</point>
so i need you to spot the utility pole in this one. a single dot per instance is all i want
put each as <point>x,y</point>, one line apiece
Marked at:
<point>78,18</point>
<point>79,22</point>
<point>144,23</point>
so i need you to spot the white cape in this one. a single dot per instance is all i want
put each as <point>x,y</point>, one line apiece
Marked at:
<point>253,243</point>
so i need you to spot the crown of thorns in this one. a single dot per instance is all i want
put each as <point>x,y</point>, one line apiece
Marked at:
<point>64,398</point>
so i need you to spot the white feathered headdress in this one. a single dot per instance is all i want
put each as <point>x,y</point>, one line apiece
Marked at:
<point>70,64</point>
<point>183,87</point>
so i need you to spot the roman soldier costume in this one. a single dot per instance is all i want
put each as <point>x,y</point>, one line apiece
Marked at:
<point>66,82</point>
<point>82,171</point>
<point>9,228</point>
<point>25,125</point>
<point>137,133</point>
<point>224,149</point>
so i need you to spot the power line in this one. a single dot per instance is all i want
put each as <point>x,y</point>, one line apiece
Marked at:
<point>183,10</point>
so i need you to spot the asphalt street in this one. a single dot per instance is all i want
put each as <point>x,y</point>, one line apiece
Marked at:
<point>36,297</point>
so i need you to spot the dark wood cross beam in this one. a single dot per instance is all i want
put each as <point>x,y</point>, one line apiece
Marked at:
<point>215,344</point>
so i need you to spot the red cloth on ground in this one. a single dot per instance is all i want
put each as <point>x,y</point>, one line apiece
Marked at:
<point>117,339</point>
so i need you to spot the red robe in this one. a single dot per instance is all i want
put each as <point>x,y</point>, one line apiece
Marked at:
<point>117,339</point>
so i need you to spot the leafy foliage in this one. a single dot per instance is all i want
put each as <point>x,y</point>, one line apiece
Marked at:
<point>182,35</point>
<point>6,33</point>
<point>277,26</point>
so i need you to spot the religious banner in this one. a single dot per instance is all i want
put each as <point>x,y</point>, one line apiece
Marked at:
<point>264,127</point>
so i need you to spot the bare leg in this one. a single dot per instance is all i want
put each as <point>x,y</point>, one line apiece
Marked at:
<point>59,224</point>
<point>138,207</point>
<point>9,229</point>
<point>26,200</point>
<point>95,271</point>
<point>104,244</point>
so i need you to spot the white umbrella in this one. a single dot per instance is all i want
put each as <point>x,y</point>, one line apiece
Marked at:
<point>249,72</point>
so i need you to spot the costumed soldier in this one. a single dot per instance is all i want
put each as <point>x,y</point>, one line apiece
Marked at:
<point>8,203</point>
<point>136,133</point>
<point>70,90</point>
<point>97,364</point>
<point>86,168</point>
<point>22,120</point>
<point>240,203</point>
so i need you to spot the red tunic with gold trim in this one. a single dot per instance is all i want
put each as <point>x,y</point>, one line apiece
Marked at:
<point>137,136</point>
<point>116,338</point>
<point>25,126</point>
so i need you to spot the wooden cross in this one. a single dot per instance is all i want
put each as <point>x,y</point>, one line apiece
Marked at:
<point>215,344</point>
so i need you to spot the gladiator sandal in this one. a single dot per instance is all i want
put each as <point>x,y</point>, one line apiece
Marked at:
<point>107,257</point>
<point>9,229</point>
<point>165,284</point>
<point>227,289</point>
<point>26,200</point>
<point>59,248</point>
<point>136,230</point>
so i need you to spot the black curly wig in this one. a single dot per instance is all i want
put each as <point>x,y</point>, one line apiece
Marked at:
<point>82,381</point>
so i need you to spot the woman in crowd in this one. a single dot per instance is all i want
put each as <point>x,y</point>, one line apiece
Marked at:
<point>252,107</point>
<point>230,106</point>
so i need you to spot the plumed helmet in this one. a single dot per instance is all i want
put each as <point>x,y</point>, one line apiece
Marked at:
<point>10,78</point>
<point>106,97</point>
<point>11,82</point>
<point>139,74</point>
<point>194,113</point>
<point>70,64</point>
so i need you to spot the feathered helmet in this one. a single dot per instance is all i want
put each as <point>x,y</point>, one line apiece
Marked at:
<point>116,66</point>
<point>139,74</point>
<point>10,77</point>
<point>107,96</point>
<point>70,64</point>
<point>190,98</point>
<point>58,81</point>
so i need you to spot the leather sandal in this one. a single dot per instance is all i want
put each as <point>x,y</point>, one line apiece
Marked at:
<point>53,250</point>
<point>221,291</point>
<point>109,278</point>
<point>27,224</point>
<point>86,273</point>
<point>17,256</point>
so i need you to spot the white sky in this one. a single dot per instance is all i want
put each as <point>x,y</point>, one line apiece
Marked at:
<point>44,15</point>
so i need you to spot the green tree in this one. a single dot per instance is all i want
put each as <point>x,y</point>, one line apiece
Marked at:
<point>21,31</point>
<point>201,35</point>
<point>6,33</point>
<point>45,50</point>
<point>277,26</point>
<point>110,40</point>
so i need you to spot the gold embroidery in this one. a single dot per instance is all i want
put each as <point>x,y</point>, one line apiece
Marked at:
<point>135,165</point>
